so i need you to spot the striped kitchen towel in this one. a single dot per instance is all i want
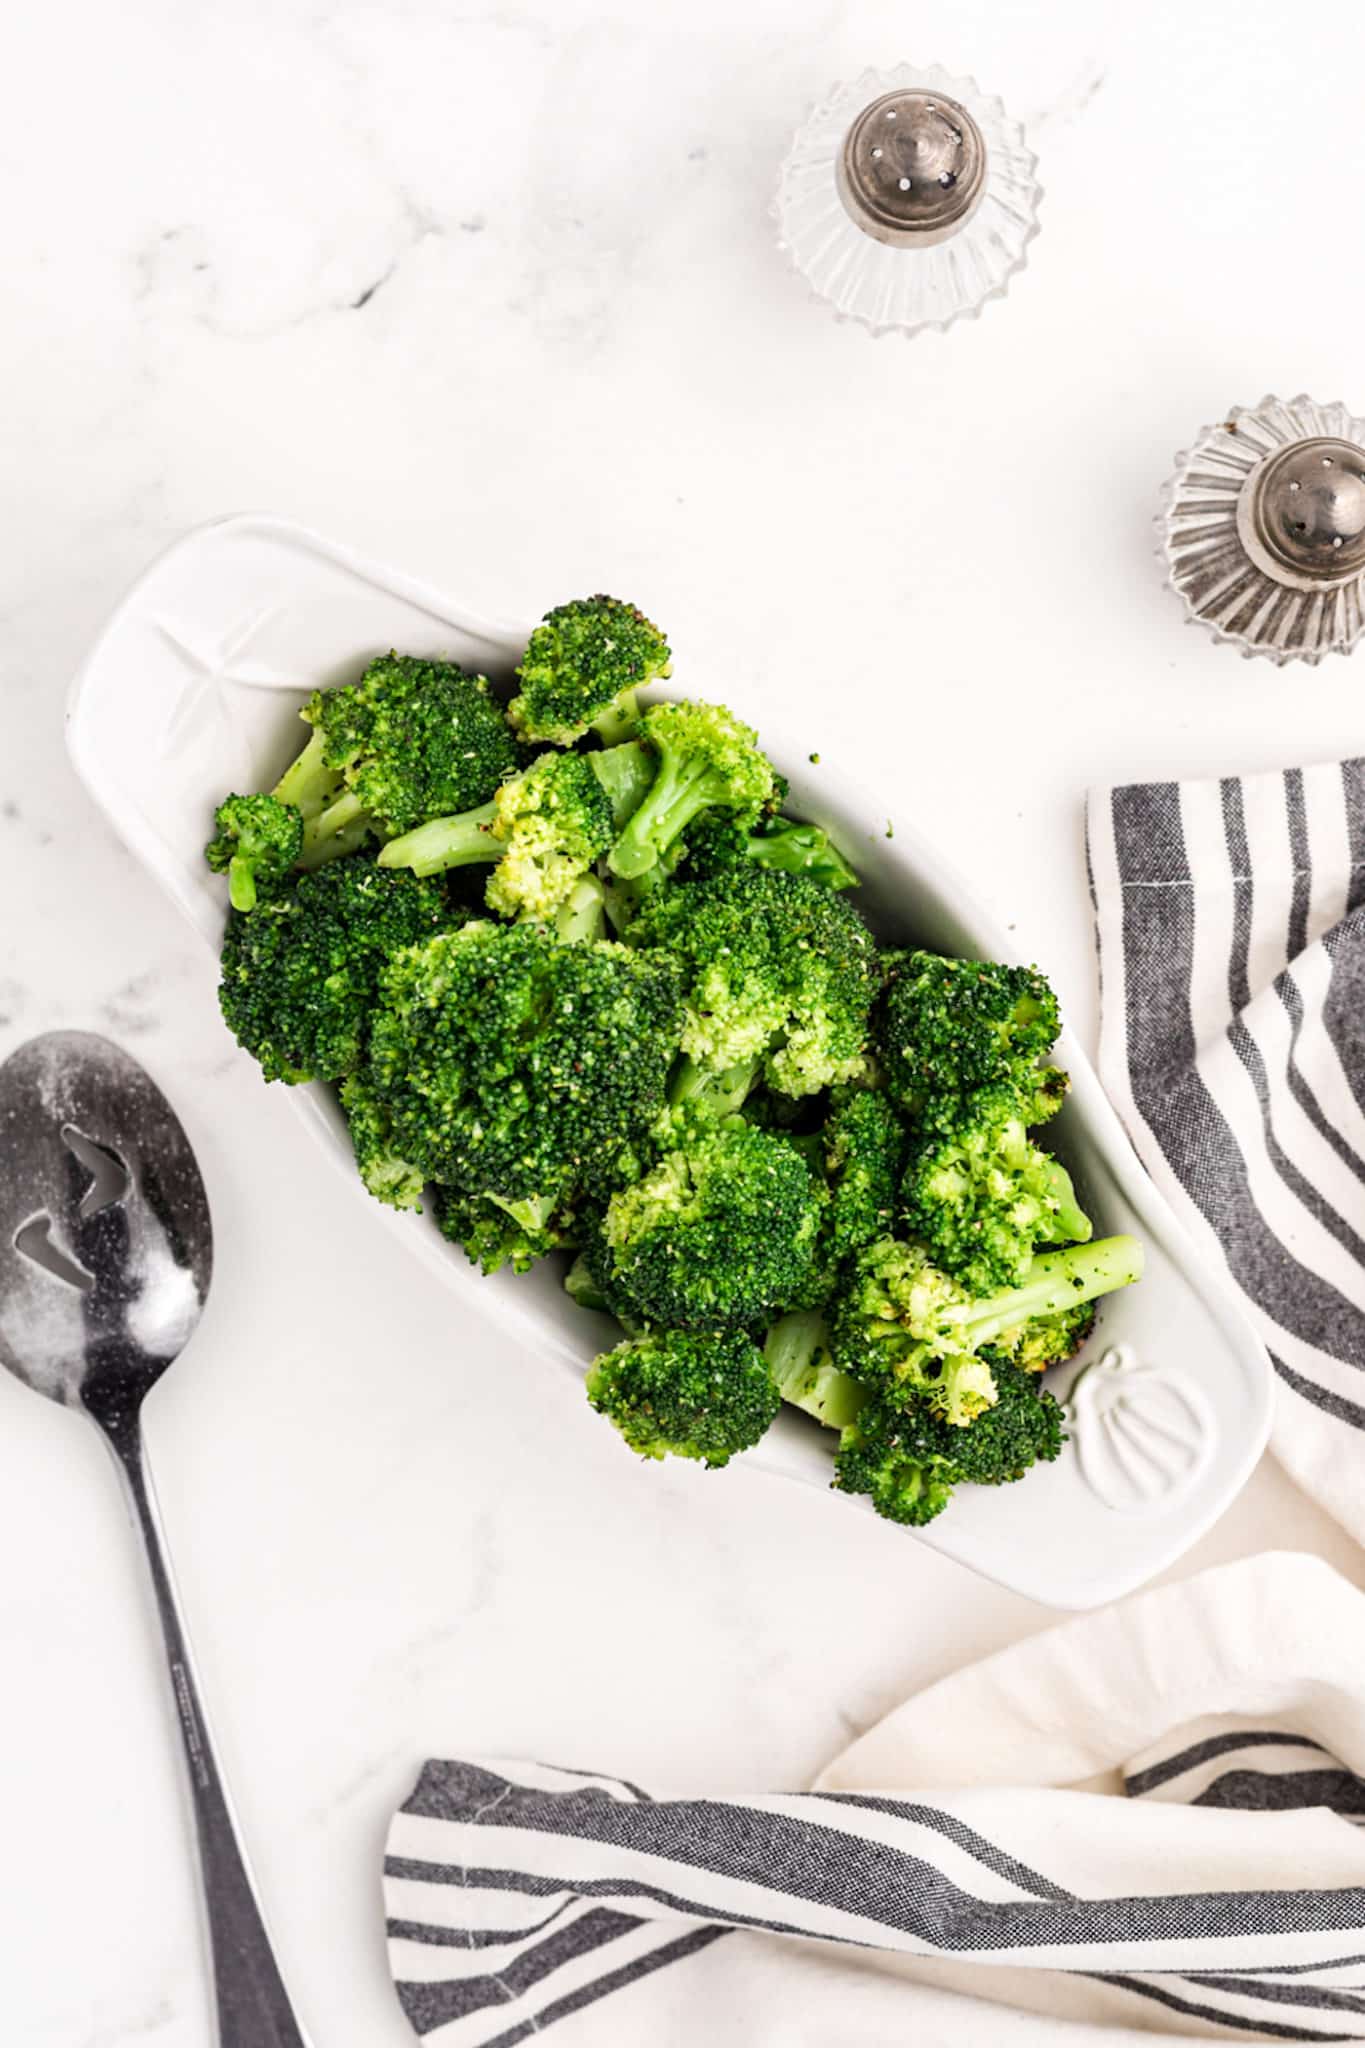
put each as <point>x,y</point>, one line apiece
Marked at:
<point>1231,928</point>
<point>1144,1821</point>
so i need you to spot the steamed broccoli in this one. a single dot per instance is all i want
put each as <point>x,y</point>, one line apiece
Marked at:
<point>775,967</point>
<point>299,979</point>
<point>706,757</point>
<point>983,1197</point>
<point>719,1233</point>
<point>516,1067</point>
<point>581,669</point>
<point>908,1461</point>
<point>258,839</point>
<point>544,828</point>
<point>948,1027</point>
<point>907,1330</point>
<point>411,740</point>
<point>686,1394</point>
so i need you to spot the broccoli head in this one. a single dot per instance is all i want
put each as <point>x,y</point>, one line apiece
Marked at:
<point>913,1335</point>
<point>774,966</point>
<point>389,1178</point>
<point>1046,1340</point>
<point>706,758</point>
<point>983,1197</point>
<point>544,828</point>
<point>686,1394</point>
<point>299,974</point>
<point>863,1146</point>
<point>720,839</point>
<point>490,1236</point>
<point>720,1232</point>
<point>908,1461</point>
<point>516,1067</point>
<point>948,1027</point>
<point>554,822</point>
<point>898,1459</point>
<point>581,669</point>
<point>411,740</point>
<point>258,839</point>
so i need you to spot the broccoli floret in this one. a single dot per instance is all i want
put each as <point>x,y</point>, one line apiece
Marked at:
<point>983,1197</point>
<point>581,669</point>
<point>299,973</point>
<point>1022,1428</point>
<point>686,1394</point>
<point>897,1458</point>
<point>719,1233</point>
<point>544,828</point>
<point>706,757</point>
<point>490,1236</point>
<point>948,1027</point>
<point>1046,1340</point>
<point>389,1178</point>
<point>774,966</point>
<point>717,840</point>
<point>516,1067</point>
<point>911,1333</point>
<point>258,840</point>
<point>411,740</point>
<point>554,821</point>
<point>908,1461</point>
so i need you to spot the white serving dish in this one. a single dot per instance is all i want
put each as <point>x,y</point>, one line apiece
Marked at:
<point>192,689</point>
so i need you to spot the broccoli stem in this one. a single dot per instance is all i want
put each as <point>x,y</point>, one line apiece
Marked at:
<point>242,882</point>
<point>625,773</point>
<point>799,1359</point>
<point>442,843</point>
<point>801,850</point>
<point>308,782</point>
<point>680,789</point>
<point>532,1212</point>
<point>582,1289</point>
<point>1072,1225</point>
<point>581,918</point>
<point>341,828</point>
<point>722,1091</point>
<point>619,720</point>
<point>1056,1281</point>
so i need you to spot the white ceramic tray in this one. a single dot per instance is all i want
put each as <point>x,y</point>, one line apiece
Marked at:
<point>192,690</point>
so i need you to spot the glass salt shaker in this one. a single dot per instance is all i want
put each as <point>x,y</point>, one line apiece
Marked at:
<point>907,199</point>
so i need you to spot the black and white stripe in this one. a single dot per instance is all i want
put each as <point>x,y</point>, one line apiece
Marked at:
<point>1231,927</point>
<point>522,1896</point>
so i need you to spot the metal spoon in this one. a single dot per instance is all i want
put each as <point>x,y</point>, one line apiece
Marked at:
<point>105,1254</point>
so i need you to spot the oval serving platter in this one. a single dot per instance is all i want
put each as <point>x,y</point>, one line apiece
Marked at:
<point>193,688</point>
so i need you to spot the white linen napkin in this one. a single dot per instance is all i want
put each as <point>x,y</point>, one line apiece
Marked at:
<point>1144,1821</point>
<point>1232,959</point>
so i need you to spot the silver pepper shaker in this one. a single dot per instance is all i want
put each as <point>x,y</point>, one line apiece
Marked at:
<point>1263,529</point>
<point>907,199</point>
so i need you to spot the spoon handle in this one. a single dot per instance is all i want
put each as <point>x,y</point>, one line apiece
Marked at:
<point>253,2006</point>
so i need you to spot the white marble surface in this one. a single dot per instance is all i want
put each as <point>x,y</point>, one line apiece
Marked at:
<point>491,292</point>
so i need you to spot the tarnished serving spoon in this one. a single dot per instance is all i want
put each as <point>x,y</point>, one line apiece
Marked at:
<point>105,1254</point>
